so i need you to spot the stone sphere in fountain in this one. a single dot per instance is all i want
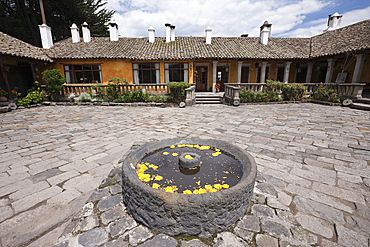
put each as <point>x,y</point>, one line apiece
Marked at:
<point>188,186</point>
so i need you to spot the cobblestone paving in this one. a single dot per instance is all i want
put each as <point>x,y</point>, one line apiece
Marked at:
<point>312,162</point>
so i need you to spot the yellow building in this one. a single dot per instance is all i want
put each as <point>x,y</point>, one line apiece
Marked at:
<point>337,55</point>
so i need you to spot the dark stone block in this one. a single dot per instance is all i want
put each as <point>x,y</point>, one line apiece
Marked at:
<point>109,203</point>
<point>161,240</point>
<point>98,195</point>
<point>94,237</point>
<point>275,229</point>
<point>106,182</point>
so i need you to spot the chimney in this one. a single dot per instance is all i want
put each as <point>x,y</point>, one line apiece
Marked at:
<point>208,35</point>
<point>172,32</point>
<point>113,31</point>
<point>333,22</point>
<point>75,33</point>
<point>264,36</point>
<point>168,32</point>
<point>244,34</point>
<point>151,34</point>
<point>46,37</point>
<point>86,32</point>
<point>268,26</point>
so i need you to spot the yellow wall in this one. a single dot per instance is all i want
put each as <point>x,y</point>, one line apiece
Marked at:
<point>123,69</point>
<point>113,68</point>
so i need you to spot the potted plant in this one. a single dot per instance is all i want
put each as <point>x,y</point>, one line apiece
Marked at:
<point>2,95</point>
<point>15,93</point>
<point>218,86</point>
<point>226,67</point>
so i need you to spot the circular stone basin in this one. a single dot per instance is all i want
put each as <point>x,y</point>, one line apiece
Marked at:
<point>225,177</point>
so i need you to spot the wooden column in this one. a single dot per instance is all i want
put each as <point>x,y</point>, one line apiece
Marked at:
<point>5,78</point>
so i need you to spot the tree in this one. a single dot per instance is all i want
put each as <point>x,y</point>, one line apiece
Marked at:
<point>20,18</point>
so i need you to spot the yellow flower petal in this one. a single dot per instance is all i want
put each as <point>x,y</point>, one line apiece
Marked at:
<point>208,187</point>
<point>175,154</point>
<point>155,186</point>
<point>173,146</point>
<point>218,186</point>
<point>214,154</point>
<point>165,153</point>
<point>158,178</point>
<point>225,186</point>
<point>189,157</point>
<point>187,192</point>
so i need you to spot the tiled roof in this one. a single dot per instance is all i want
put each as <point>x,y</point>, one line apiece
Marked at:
<point>182,48</point>
<point>355,37</point>
<point>15,47</point>
<point>351,38</point>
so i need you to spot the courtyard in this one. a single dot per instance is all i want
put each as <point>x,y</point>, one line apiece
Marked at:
<point>313,157</point>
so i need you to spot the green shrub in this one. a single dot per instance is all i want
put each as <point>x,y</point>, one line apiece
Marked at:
<point>158,98</point>
<point>326,92</point>
<point>33,97</point>
<point>113,88</point>
<point>54,82</point>
<point>177,91</point>
<point>260,97</point>
<point>273,96</point>
<point>130,97</point>
<point>293,91</point>
<point>247,96</point>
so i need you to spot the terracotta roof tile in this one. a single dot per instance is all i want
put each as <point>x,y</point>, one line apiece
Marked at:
<point>355,37</point>
<point>15,47</point>
<point>351,38</point>
<point>183,48</point>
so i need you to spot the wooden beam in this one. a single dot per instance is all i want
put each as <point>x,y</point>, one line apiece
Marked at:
<point>5,78</point>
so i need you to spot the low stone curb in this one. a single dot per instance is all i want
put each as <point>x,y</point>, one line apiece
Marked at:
<point>104,221</point>
<point>12,106</point>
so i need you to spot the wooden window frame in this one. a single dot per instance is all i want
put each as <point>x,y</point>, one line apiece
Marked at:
<point>73,71</point>
<point>181,71</point>
<point>141,70</point>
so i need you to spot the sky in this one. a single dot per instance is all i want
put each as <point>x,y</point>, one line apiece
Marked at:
<point>230,18</point>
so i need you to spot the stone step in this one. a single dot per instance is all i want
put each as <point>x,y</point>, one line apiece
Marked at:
<point>208,102</point>
<point>361,106</point>
<point>363,100</point>
<point>210,99</point>
<point>207,96</point>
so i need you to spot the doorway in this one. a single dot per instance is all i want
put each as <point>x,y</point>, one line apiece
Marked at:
<point>202,78</point>
<point>222,77</point>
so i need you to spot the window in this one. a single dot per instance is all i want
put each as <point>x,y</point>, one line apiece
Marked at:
<point>176,72</point>
<point>86,73</point>
<point>245,75</point>
<point>146,73</point>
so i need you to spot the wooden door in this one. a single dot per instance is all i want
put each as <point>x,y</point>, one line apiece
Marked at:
<point>202,77</point>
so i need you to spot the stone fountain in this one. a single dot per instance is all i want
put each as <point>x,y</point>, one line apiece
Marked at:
<point>188,186</point>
